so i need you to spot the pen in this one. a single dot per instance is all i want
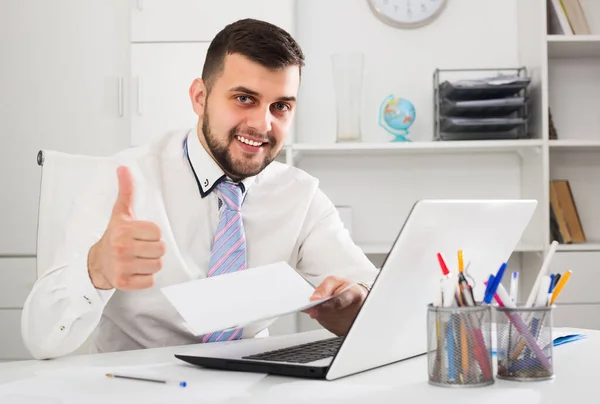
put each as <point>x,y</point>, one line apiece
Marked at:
<point>560,286</point>
<point>514,286</point>
<point>461,265</point>
<point>146,379</point>
<point>543,270</point>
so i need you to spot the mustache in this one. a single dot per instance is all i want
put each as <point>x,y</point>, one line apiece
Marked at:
<point>261,137</point>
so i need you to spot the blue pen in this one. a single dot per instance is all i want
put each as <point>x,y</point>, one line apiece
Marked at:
<point>551,283</point>
<point>497,280</point>
<point>487,296</point>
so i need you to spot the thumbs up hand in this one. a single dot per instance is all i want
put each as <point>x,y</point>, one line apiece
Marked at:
<point>130,251</point>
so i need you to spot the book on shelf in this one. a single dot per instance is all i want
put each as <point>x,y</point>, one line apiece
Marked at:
<point>576,17</point>
<point>565,225</point>
<point>553,135</point>
<point>558,24</point>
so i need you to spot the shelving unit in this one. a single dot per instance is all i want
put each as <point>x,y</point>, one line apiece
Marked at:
<point>565,76</point>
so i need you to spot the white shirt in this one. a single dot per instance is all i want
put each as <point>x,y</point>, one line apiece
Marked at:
<point>286,217</point>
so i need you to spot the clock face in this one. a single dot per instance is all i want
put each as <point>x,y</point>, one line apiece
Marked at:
<point>407,13</point>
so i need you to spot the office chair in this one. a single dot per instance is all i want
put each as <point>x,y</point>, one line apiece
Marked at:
<point>63,179</point>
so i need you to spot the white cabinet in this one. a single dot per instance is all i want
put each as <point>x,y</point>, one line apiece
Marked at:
<point>64,72</point>
<point>200,20</point>
<point>11,342</point>
<point>161,77</point>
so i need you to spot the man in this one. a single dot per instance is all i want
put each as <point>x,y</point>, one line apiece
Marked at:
<point>196,204</point>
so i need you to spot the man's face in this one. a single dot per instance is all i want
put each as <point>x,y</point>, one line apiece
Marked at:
<point>247,115</point>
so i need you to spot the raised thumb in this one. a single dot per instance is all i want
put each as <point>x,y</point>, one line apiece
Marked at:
<point>124,203</point>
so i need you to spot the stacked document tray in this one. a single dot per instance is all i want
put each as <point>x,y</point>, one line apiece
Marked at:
<point>482,109</point>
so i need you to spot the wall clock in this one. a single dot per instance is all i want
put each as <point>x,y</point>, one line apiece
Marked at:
<point>407,13</point>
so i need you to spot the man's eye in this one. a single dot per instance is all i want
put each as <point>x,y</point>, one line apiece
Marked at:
<point>281,106</point>
<point>243,99</point>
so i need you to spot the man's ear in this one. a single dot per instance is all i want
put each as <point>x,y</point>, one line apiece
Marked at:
<point>198,96</point>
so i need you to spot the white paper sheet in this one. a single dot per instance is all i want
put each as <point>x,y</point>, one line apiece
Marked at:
<point>236,299</point>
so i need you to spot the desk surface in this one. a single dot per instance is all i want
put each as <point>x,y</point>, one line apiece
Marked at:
<point>67,380</point>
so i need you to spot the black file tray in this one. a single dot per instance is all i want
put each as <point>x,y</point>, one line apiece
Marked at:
<point>481,89</point>
<point>482,108</point>
<point>480,124</point>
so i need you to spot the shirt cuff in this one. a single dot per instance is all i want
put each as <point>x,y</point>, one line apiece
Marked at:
<point>83,293</point>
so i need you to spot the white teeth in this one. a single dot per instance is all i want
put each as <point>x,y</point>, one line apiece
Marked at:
<point>247,141</point>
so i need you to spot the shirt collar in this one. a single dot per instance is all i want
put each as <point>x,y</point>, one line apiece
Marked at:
<point>207,172</point>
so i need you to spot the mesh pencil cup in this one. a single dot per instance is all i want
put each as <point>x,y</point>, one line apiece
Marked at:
<point>459,346</point>
<point>524,339</point>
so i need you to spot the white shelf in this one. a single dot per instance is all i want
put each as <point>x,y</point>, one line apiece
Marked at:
<point>589,246</point>
<point>385,248</point>
<point>574,144</point>
<point>573,46</point>
<point>419,147</point>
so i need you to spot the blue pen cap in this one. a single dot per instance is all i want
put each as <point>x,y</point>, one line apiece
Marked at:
<point>182,384</point>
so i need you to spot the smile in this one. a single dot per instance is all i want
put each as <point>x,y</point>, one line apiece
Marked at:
<point>249,142</point>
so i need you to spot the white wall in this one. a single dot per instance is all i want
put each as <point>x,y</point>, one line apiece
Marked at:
<point>469,33</point>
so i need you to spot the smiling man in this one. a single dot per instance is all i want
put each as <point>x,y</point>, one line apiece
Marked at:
<point>196,204</point>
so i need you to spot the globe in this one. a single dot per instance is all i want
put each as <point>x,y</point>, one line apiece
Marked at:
<point>396,116</point>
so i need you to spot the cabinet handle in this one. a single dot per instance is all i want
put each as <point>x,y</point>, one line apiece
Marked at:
<point>139,97</point>
<point>140,5</point>
<point>120,96</point>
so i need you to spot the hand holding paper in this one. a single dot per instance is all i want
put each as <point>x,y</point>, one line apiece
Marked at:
<point>239,298</point>
<point>338,313</point>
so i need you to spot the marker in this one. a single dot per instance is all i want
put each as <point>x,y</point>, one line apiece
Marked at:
<point>560,286</point>
<point>461,263</point>
<point>146,379</point>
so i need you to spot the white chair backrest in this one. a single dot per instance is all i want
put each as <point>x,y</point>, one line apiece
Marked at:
<point>64,177</point>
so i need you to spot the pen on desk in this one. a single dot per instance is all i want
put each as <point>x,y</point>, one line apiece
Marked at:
<point>146,379</point>
<point>514,286</point>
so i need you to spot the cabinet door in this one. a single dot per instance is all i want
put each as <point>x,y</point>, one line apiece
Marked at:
<point>162,74</point>
<point>17,276</point>
<point>200,20</point>
<point>62,76</point>
<point>11,341</point>
<point>582,287</point>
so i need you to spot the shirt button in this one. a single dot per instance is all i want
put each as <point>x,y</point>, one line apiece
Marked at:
<point>62,327</point>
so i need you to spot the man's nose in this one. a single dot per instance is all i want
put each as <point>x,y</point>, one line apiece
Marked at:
<point>261,120</point>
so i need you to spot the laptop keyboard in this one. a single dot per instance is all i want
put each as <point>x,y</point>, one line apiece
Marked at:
<point>302,353</point>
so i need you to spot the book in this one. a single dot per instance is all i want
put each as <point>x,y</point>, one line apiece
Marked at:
<point>553,135</point>
<point>576,17</point>
<point>569,210</point>
<point>558,24</point>
<point>559,216</point>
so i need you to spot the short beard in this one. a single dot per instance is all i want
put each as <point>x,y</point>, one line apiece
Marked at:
<point>222,154</point>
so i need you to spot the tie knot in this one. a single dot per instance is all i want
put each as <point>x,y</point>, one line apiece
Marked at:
<point>232,194</point>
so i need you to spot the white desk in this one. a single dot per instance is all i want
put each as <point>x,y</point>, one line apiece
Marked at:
<point>576,369</point>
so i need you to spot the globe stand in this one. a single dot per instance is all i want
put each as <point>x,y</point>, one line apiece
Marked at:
<point>400,137</point>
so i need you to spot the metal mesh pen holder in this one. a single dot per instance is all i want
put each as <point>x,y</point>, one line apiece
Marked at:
<point>459,346</point>
<point>524,340</point>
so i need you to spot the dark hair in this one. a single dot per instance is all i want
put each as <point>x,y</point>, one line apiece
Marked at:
<point>259,41</point>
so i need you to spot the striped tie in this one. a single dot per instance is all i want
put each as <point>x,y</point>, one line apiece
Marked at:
<point>229,247</point>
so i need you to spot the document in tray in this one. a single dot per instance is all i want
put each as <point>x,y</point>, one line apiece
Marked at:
<point>239,298</point>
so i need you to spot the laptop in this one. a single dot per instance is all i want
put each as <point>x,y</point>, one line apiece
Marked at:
<point>391,325</point>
